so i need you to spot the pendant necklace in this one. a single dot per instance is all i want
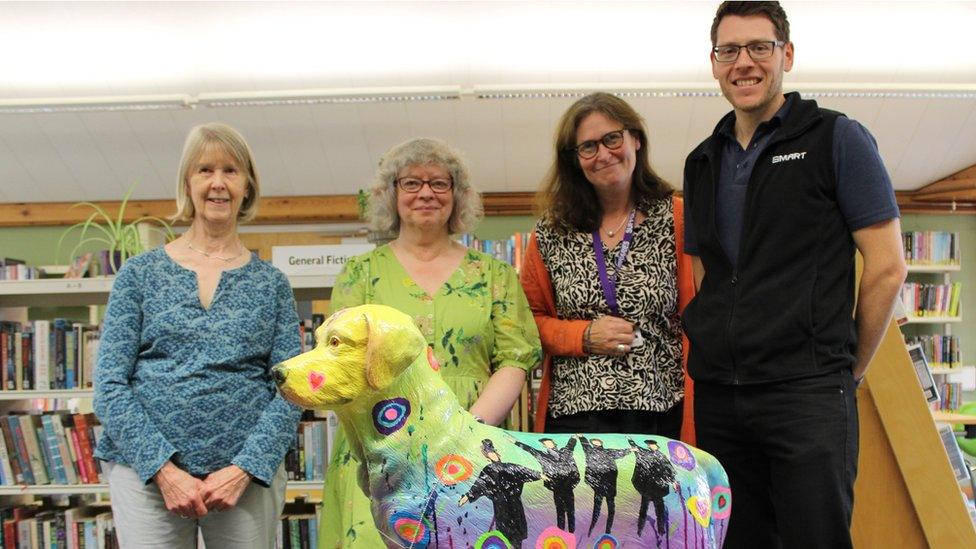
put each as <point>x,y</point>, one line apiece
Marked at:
<point>215,256</point>
<point>610,233</point>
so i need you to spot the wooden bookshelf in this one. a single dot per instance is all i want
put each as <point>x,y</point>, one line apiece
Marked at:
<point>67,292</point>
<point>906,495</point>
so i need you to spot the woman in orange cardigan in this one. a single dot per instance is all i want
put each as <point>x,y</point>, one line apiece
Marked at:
<point>606,281</point>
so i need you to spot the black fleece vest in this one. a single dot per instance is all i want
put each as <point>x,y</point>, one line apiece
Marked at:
<point>786,310</point>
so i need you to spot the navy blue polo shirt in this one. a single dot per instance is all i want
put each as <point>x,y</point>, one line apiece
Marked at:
<point>864,192</point>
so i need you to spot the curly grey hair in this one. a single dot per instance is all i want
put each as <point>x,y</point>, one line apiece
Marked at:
<point>383,215</point>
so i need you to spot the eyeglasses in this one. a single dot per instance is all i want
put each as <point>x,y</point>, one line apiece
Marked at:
<point>757,50</point>
<point>588,149</point>
<point>413,185</point>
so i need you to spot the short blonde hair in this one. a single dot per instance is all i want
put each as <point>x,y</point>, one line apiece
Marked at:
<point>225,138</point>
<point>383,215</point>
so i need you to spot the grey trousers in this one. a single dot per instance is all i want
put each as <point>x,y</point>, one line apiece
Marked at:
<point>142,521</point>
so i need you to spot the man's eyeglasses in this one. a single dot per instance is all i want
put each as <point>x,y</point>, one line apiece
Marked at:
<point>413,185</point>
<point>758,51</point>
<point>588,149</point>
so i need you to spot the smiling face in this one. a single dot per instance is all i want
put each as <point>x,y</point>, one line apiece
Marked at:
<point>752,87</point>
<point>424,209</point>
<point>217,186</point>
<point>611,170</point>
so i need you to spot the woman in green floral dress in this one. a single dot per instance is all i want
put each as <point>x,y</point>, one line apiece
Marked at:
<point>469,305</point>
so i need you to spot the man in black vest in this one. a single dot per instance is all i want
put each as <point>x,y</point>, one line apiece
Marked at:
<point>777,200</point>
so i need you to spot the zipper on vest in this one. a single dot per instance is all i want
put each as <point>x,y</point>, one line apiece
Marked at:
<point>728,329</point>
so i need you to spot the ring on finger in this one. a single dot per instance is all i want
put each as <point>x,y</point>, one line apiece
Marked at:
<point>621,348</point>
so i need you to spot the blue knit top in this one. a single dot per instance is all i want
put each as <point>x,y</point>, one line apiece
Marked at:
<point>175,381</point>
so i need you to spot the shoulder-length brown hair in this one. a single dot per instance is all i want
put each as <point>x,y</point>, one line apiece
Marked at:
<point>567,198</point>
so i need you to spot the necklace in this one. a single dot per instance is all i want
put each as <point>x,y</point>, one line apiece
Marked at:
<point>215,256</point>
<point>610,233</point>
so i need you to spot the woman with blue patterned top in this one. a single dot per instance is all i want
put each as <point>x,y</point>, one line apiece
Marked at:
<point>194,432</point>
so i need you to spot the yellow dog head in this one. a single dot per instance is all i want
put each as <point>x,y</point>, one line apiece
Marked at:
<point>359,349</point>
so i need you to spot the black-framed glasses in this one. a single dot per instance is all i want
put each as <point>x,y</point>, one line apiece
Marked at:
<point>588,149</point>
<point>413,185</point>
<point>758,51</point>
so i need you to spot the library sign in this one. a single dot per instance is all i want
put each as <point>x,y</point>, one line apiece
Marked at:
<point>315,260</point>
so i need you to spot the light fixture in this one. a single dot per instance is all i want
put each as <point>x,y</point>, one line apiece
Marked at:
<point>329,96</point>
<point>48,105</point>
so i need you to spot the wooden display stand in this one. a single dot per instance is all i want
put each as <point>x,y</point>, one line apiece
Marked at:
<point>906,494</point>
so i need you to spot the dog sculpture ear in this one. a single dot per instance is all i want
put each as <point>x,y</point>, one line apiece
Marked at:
<point>391,347</point>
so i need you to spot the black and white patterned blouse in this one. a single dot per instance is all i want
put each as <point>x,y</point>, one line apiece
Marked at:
<point>647,378</point>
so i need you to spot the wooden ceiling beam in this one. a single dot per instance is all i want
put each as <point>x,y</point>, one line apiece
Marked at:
<point>272,210</point>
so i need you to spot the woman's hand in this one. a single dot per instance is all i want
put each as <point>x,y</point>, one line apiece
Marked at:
<point>610,335</point>
<point>181,491</point>
<point>222,489</point>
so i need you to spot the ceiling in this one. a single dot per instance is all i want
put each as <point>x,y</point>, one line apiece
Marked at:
<point>903,69</point>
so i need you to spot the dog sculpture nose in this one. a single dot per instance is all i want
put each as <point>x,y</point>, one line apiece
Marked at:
<point>279,374</point>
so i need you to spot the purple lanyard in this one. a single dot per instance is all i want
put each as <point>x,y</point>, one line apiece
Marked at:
<point>610,286</point>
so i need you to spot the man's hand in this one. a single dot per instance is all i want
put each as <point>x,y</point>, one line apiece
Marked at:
<point>222,489</point>
<point>181,491</point>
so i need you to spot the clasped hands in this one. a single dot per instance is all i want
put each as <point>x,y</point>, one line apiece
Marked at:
<point>610,335</point>
<point>190,497</point>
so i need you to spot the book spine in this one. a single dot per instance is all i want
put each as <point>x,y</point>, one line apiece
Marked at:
<point>34,454</point>
<point>61,439</point>
<point>57,462</point>
<point>42,337</point>
<point>18,436</point>
<point>87,447</point>
<point>14,458</point>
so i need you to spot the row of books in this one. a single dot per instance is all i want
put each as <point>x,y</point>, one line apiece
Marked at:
<point>310,453</point>
<point>49,448</point>
<point>931,299</point>
<point>16,269</point>
<point>951,396</point>
<point>79,527</point>
<point>941,350</point>
<point>298,527</point>
<point>47,354</point>
<point>931,248</point>
<point>510,250</point>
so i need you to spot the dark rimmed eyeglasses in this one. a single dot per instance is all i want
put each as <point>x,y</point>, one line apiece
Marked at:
<point>588,149</point>
<point>758,51</point>
<point>413,185</point>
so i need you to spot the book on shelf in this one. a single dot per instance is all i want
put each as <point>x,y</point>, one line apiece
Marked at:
<point>931,248</point>
<point>17,269</point>
<point>924,300</point>
<point>47,355</point>
<point>924,374</point>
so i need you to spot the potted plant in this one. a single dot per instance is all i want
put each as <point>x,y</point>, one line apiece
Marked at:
<point>122,240</point>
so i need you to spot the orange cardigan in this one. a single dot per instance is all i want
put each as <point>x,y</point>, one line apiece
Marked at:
<point>565,337</point>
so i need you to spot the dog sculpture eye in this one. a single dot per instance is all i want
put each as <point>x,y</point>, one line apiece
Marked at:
<point>334,341</point>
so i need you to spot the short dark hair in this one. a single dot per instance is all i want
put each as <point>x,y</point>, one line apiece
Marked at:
<point>771,10</point>
<point>567,198</point>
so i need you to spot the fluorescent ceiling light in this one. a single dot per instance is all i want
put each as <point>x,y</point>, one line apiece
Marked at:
<point>454,93</point>
<point>327,96</point>
<point>95,104</point>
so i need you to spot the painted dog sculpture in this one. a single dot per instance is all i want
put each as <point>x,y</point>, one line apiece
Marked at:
<point>439,478</point>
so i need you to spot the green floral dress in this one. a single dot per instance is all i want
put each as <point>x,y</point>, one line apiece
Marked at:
<point>477,322</point>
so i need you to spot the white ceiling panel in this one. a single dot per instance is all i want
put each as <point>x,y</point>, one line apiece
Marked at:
<point>34,150</point>
<point>84,49</point>
<point>345,148</point>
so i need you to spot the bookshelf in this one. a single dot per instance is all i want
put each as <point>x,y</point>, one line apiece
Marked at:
<point>16,296</point>
<point>907,494</point>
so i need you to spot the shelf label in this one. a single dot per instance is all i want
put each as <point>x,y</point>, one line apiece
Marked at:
<point>315,260</point>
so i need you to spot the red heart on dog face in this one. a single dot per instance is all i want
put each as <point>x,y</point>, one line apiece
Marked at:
<point>315,380</point>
